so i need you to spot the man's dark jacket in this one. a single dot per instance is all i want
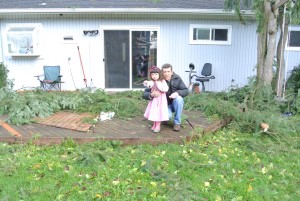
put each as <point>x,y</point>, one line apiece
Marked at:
<point>175,85</point>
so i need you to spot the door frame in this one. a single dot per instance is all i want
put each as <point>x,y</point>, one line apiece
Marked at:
<point>130,29</point>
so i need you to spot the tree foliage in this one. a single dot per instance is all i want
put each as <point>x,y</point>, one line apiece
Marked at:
<point>268,14</point>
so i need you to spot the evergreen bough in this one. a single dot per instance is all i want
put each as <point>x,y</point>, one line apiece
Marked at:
<point>3,75</point>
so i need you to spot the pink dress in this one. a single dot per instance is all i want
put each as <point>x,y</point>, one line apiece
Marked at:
<point>157,109</point>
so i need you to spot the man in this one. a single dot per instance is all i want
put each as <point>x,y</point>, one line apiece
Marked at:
<point>177,91</point>
<point>138,59</point>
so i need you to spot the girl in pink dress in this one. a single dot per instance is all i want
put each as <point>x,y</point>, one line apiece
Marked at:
<point>157,109</point>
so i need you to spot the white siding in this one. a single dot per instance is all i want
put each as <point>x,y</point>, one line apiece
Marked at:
<point>292,59</point>
<point>236,61</point>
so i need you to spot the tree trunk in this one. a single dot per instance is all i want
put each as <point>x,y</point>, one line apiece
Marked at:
<point>262,44</point>
<point>280,72</point>
<point>271,17</point>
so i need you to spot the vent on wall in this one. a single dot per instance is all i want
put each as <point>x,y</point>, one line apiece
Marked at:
<point>68,38</point>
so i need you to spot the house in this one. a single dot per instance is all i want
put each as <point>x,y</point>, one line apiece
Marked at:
<point>110,44</point>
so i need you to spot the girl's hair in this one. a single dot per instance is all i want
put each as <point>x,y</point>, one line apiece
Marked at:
<point>155,69</point>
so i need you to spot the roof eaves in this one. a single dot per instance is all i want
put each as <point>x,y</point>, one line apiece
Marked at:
<point>118,10</point>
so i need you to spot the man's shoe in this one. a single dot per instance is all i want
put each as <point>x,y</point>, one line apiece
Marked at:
<point>176,127</point>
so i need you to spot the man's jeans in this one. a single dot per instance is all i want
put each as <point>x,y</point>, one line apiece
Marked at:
<point>176,106</point>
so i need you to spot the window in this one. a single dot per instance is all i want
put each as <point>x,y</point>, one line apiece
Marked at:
<point>293,41</point>
<point>210,34</point>
<point>22,39</point>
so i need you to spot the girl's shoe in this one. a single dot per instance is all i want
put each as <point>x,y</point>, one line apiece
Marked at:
<point>153,127</point>
<point>157,128</point>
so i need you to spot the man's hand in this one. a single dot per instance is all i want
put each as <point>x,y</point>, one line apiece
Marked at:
<point>174,95</point>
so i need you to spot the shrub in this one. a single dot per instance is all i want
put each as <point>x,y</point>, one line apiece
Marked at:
<point>23,107</point>
<point>293,82</point>
<point>3,75</point>
<point>293,90</point>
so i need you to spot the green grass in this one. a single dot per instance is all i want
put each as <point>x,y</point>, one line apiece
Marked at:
<point>238,162</point>
<point>223,166</point>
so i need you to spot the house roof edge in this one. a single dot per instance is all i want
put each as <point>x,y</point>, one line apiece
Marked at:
<point>119,11</point>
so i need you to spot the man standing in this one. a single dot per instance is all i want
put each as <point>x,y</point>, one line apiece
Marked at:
<point>177,91</point>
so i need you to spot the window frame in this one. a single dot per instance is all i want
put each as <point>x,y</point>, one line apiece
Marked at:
<point>210,41</point>
<point>34,33</point>
<point>287,47</point>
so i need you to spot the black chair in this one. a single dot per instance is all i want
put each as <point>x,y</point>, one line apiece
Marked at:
<point>51,78</point>
<point>206,75</point>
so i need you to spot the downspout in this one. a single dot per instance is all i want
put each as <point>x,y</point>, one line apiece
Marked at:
<point>286,66</point>
<point>281,55</point>
<point>287,59</point>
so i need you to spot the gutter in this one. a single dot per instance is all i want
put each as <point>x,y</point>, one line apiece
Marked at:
<point>119,11</point>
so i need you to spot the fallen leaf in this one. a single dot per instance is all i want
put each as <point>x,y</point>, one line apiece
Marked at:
<point>249,188</point>
<point>37,166</point>
<point>207,184</point>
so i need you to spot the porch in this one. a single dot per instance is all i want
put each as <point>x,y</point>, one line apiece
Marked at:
<point>130,132</point>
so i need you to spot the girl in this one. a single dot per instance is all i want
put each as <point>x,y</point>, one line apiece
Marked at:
<point>157,109</point>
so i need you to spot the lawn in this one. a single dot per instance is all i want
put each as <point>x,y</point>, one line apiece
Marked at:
<point>239,162</point>
<point>222,166</point>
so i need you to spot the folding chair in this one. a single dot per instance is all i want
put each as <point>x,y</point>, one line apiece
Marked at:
<point>52,78</point>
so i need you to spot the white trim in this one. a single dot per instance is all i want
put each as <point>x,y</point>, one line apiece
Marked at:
<point>293,28</point>
<point>209,42</point>
<point>21,25</point>
<point>35,40</point>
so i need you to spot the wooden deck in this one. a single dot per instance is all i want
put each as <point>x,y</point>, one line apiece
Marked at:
<point>130,132</point>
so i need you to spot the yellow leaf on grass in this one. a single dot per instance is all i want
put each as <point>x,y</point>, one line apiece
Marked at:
<point>115,182</point>
<point>249,188</point>
<point>206,184</point>
<point>218,198</point>
<point>154,184</point>
<point>210,162</point>
<point>154,195</point>
<point>98,195</point>
<point>264,170</point>
<point>37,166</point>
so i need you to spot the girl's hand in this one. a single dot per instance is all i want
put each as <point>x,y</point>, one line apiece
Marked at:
<point>162,86</point>
<point>148,84</point>
<point>145,83</point>
<point>155,94</point>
